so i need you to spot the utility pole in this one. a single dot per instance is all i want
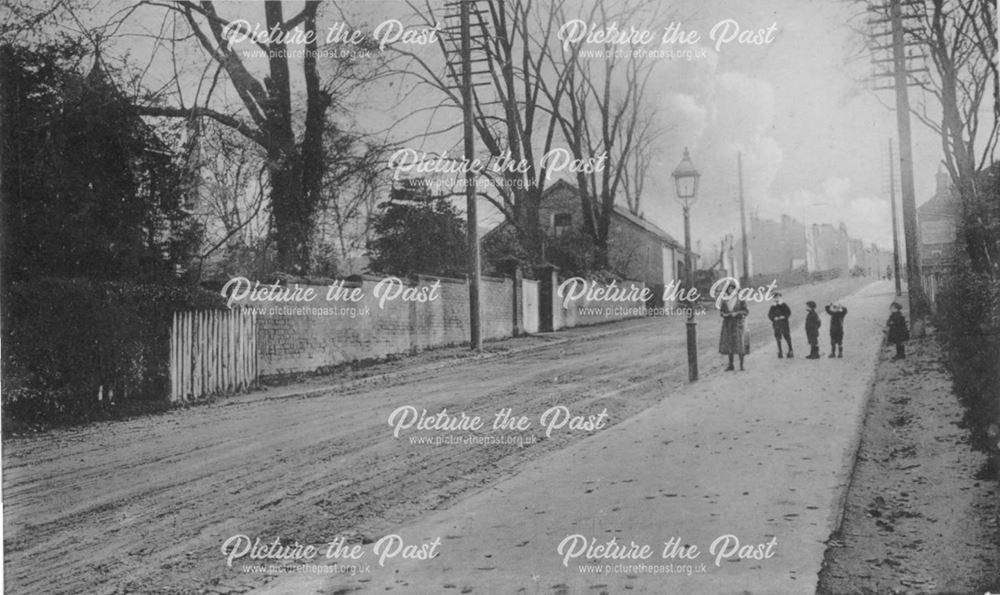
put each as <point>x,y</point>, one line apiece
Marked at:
<point>743,222</point>
<point>914,283</point>
<point>475,265</point>
<point>900,74</point>
<point>465,84</point>
<point>895,226</point>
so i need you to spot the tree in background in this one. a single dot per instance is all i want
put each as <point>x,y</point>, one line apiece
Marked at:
<point>605,115</point>
<point>960,102</point>
<point>961,40</point>
<point>413,237</point>
<point>291,125</point>
<point>535,94</point>
<point>89,189</point>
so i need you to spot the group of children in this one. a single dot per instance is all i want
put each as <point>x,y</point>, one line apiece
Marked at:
<point>780,313</point>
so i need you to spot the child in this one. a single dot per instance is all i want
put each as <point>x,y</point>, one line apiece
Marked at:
<point>898,333</point>
<point>779,315</point>
<point>812,330</point>
<point>837,313</point>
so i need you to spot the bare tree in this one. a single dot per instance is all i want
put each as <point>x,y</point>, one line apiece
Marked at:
<point>510,119</point>
<point>356,180</point>
<point>960,37</point>
<point>539,94</point>
<point>293,146</point>
<point>648,134</point>
<point>231,189</point>
<point>958,40</point>
<point>605,119</point>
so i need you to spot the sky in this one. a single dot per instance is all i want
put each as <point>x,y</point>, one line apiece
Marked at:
<point>812,133</point>
<point>813,136</point>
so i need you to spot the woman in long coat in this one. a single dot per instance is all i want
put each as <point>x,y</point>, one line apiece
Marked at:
<point>735,336</point>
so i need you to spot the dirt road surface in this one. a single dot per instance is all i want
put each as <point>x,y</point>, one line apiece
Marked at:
<point>918,517</point>
<point>143,506</point>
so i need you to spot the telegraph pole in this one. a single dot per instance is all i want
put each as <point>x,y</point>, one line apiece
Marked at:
<point>743,221</point>
<point>895,226</point>
<point>914,283</point>
<point>465,84</point>
<point>475,265</point>
<point>900,74</point>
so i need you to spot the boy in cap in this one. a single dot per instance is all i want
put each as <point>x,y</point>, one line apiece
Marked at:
<point>778,314</point>
<point>837,313</point>
<point>812,330</point>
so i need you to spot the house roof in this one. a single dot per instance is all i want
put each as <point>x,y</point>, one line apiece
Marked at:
<point>618,211</point>
<point>944,200</point>
<point>939,204</point>
<point>623,213</point>
<point>646,225</point>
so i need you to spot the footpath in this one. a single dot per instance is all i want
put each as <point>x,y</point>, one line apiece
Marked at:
<point>732,484</point>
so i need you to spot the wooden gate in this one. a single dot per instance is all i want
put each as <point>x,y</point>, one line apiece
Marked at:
<point>212,352</point>
<point>529,305</point>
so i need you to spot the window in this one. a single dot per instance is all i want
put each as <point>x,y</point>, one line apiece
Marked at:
<point>561,222</point>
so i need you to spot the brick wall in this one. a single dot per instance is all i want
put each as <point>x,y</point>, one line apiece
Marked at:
<point>298,338</point>
<point>583,312</point>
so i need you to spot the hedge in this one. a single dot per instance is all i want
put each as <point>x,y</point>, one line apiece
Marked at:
<point>75,349</point>
<point>969,318</point>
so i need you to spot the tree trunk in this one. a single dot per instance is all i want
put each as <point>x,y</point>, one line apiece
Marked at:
<point>296,169</point>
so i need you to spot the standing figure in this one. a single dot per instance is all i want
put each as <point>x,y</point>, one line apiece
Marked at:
<point>837,313</point>
<point>778,314</point>
<point>898,332</point>
<point>812,330</point>
<point>735,337</point>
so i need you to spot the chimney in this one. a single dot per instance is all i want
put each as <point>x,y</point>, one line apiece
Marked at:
<point>943,183</point>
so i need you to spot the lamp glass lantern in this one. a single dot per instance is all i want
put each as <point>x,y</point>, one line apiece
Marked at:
<point>686,179</point>
<point>686,183</point>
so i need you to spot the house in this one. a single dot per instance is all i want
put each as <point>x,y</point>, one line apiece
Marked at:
<point>828,248</point>
<point>639,250</point>
<point>937,232</point>
<point>777,246</point>
<point>937,226</point>
<point>723,257</point>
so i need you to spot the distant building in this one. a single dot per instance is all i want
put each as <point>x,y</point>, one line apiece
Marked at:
<point>639,249</point>
<point>870,261</point>
<point>723,257</point>
<point>937,225</point>
<point>856,255</point>
<point>776,246</point>
<point>828,248</point>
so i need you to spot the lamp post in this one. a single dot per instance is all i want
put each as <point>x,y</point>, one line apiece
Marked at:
<point>686,183</point>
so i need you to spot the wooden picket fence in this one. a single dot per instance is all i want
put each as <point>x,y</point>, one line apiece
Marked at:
<point>212,352</point>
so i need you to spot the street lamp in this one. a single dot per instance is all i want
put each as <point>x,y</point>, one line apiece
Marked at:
<point>686,182</point>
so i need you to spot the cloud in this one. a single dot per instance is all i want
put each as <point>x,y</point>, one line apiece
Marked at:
<point>866,217</point>
<point>743,108</point>
<point>732,113</point>
<point>835,187</point>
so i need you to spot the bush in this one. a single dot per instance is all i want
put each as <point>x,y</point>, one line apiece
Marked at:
<point>969,318</point>
<point>75,349</point>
